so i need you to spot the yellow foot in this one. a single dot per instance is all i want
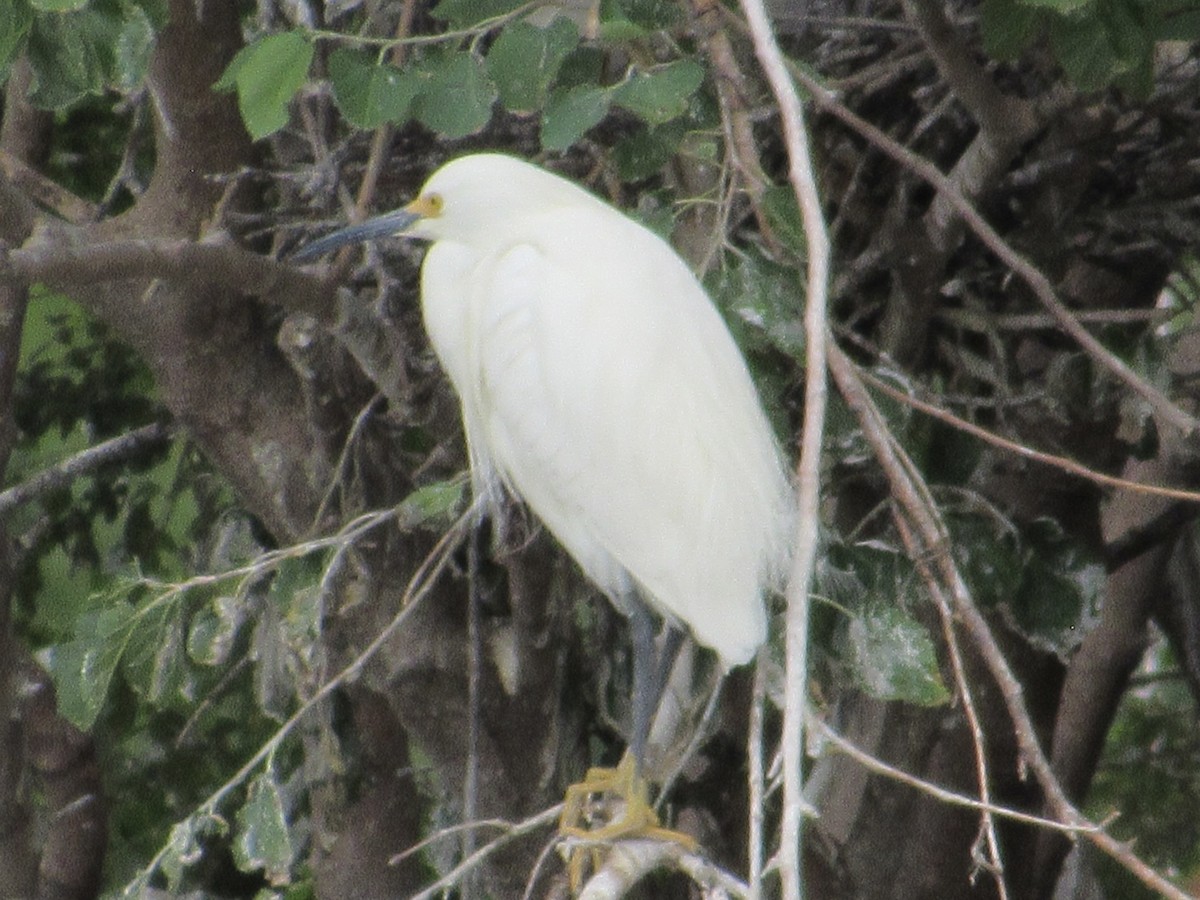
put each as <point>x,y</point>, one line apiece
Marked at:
<point>635,819</point>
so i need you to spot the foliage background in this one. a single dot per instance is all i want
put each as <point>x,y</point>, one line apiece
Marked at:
<point>227,669</point>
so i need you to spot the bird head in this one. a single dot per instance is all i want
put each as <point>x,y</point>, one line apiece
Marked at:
<point>466,199</point>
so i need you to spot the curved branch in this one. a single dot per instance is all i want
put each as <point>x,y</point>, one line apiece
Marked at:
<point>33,184</point>
<point>630,861</point>
<point>59,262</point>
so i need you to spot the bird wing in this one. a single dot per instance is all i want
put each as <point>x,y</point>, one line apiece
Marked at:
<point>614,402</point>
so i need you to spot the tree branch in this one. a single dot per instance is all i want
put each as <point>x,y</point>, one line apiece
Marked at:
<point>116,450</point>
<point>1063,463</point>
<point>46,192</point>
<point>630,861</point>
<point>880,767</point>
<point>804,186</point>
<point>996,114</point>
<point>930,547</point>
<point>1040,285</point>
<point>58,261</point>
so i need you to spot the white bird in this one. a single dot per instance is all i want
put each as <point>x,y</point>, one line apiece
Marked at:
<point>600,385</point>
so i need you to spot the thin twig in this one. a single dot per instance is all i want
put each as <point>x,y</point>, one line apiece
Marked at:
<point>1059,462</point>
<point>930,543</point>
<point>985,323</point>
<point>877,765</point>
<point>470,786</point>
<point>756,780</point>
<point>448,832</point>
<point>342,466</point>
<point>733,96</point>
<point>803,181</point>
<point>519,829</point>
<point>418,588</point>
<point>1042,289</point>
<point>967,696</point>
<point>115,450</point>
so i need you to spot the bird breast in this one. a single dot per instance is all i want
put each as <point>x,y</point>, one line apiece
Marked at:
<point>599,384</point>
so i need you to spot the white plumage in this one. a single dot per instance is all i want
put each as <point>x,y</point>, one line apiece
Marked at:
<point>599,384</point>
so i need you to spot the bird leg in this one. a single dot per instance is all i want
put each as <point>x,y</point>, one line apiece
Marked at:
<point>636,817</point>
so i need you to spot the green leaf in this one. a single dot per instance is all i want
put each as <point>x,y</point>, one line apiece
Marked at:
<point>65,595</point>
<point>570,113</point>
<point>80,49</point>
<point>783,212</point>
<point>525,60</point>
<point>185,847</point>
<point>213,629</point>
<point>1082,47</point>
<point>134,44</point>
<point>154,662</point>
<point>267,74</point>
<point>58,6</point>
<point>370,93</point>
<point>1060,591</point>
<point>439,500</point>
<point>894,658</point>
<point>463,14</point>
<point>584,66</point>
<point>71,56</point>
<point>158,11</point>
<point>1008,27</point>
<point>83,669</point>
<point>263,842</point>
<point>663,94</point>
<point>644,151</point>
<point>615,24</point>
<point>1113,43</point>
<point>989,553</point>
<point>16,18</point>
<point>652,15</point>
<point>764,298</point>
<point>274,674</point>
<point>456,97</point>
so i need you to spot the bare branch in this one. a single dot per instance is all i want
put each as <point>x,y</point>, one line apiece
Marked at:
<point>45,191</point>
<point>1042,289</point>
<point>804,185</point>
<point>116,450</point>
<point>734,97</point>
<point>1059,462</point>
<point>546,817</point>
<point>880,767</point>
<point>996,114</point>
<point>629,862</point>
<point>928,545</point>
<point>59,262</point>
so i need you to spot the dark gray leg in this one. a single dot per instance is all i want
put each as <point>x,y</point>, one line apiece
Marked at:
<point>651,668</point>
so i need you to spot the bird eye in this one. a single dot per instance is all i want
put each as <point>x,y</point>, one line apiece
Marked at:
<point>434,204</point>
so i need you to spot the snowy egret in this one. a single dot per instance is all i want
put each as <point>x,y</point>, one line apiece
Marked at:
<point>599,384</point>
